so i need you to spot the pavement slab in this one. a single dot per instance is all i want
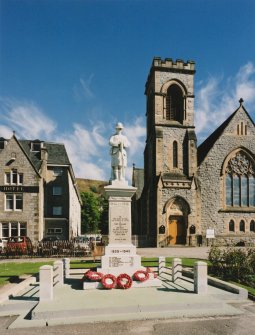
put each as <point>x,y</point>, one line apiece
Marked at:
<point>73,305</point>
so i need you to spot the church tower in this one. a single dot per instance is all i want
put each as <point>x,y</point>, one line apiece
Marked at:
<point>170,157</point>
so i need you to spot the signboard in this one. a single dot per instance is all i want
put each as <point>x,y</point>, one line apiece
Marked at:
<point>28,189</point>
<point>210,233</point>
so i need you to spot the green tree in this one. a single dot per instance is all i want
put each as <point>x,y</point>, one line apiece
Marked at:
<point>94,213</point>
<point>90,212</point>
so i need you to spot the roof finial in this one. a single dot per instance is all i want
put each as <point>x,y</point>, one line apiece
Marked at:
<point>241,101</point>
<point>13,132</point>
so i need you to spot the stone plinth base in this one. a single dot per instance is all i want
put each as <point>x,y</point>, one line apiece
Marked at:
<point>119,259</point>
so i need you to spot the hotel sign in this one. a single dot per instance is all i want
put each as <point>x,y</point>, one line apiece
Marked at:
<point>22,189</point>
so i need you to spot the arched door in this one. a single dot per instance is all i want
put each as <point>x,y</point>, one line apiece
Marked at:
<point>177,221</point>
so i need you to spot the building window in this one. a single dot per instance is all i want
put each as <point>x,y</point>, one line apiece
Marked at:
<point>11,229</point>
<point>174,103</point>
<point>231,225</point>
<point>5,229</point>
<point>57,190</point>
<point>54,231</point>
<point>13,178</point>
<point>175,154</point>
<point>57,210</point>
<point>2,142</point>
<point>36,146</point>
<point>252,226</point>
<point>57,172</point>
<point>242,226</point>
<point>240,181</point>
<point>13,202</point>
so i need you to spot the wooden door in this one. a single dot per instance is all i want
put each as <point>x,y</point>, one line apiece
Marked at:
<point>177,232</point>
<point>173,224</point>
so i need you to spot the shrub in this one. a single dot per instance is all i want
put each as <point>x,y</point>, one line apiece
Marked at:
<point>233,264</point>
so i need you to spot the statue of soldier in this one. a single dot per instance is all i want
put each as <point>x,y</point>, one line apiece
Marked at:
<point>118,144</point>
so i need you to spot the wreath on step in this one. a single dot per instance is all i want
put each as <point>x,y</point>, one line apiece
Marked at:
<point>93,276</point>
<point>109,281</point>
<point>124,281</point>
<point>141,275</point>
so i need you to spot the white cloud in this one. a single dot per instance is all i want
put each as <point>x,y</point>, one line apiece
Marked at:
<point>5,131</point>
<point>218,98</point>
<point>26,119</point>
<point>135,133</point>
<point>87,146</point>
<point>83,89</point>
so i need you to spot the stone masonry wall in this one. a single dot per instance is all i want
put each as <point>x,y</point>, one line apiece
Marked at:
<point>212,184</point>
<point>30,212</point>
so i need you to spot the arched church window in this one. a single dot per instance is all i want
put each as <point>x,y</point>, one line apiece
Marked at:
<point>252,226</point>
<point>240,181</point>
<point>175,154</point>
<point>231,225</point>
<point>242,226</point>
<point>174,103</point>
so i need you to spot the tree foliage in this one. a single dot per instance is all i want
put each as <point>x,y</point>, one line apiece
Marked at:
<point>94,213</point>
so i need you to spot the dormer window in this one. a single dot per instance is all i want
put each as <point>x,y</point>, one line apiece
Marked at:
<point>36,145</point>
<point>2,143</point>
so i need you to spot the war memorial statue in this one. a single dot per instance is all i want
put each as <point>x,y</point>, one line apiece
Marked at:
<point>118,143</point>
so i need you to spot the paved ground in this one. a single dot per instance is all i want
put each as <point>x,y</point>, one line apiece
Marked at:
<point>237,325</point>
<point>172,309</point>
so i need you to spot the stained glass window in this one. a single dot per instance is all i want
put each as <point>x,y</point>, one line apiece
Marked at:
<point>240,181</point>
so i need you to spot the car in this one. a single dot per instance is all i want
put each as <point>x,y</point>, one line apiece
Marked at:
<point>81,239</point>
<point>19,244</point>
<point>3,243</point>
<point>51,239</point>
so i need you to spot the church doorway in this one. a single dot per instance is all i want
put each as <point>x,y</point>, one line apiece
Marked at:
<point>177,210</point>
<point>176,230</point>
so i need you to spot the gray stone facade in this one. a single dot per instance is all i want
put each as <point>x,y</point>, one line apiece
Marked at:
<point>30,189</point>
<point>185,192</point>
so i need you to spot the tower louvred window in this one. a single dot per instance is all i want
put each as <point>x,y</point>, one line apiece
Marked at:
<point>174,103</point>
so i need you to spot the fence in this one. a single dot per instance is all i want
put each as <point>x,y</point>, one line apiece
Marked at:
<point>50,276</point>
<point>49,249</point>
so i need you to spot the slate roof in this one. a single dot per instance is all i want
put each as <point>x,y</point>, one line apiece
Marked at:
<point>57,154</point>
<point>207,145</point>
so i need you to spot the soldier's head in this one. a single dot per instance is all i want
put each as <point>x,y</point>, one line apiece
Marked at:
<point>119,127</point>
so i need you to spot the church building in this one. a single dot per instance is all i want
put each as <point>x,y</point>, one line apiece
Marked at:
<point>190,193</point>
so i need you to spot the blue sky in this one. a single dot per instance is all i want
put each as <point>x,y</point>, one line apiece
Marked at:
<point>70,69</point>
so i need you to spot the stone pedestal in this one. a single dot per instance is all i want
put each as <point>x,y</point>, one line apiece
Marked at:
<point>120,255</point>
<point>200,277</point>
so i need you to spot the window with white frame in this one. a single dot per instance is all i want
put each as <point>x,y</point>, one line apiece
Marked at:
<point>54,231</point>
<point>13,177</point>
<point>36,146</point>
<point>10,229</point>
<point>57,190</point>
<point>13,202</point>
<point>57,210</point>
<point>57,171</point>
